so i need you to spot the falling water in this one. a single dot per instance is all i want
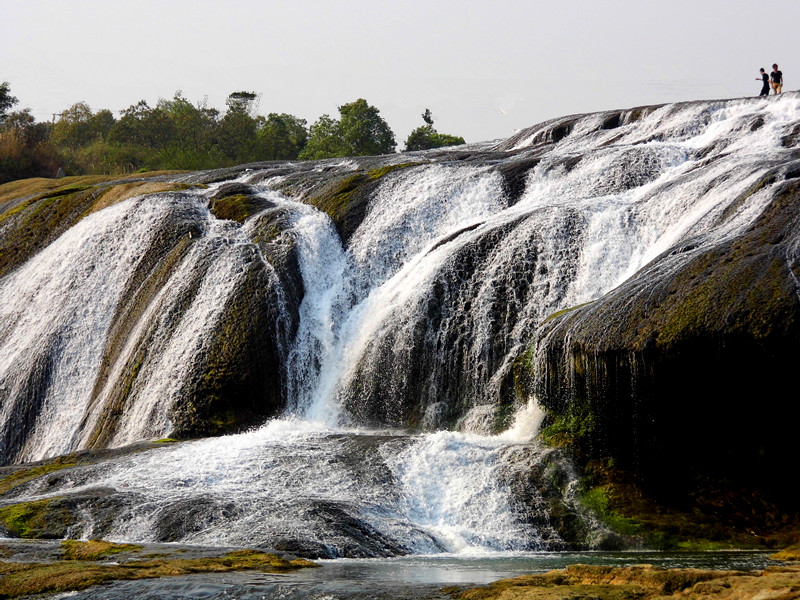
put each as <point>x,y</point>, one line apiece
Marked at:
<point>418,318</point>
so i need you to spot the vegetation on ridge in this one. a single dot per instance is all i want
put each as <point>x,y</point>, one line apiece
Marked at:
<point>178,134</point>
<point>426,137</point>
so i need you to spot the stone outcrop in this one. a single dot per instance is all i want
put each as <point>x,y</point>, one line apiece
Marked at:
<point>686,368</point>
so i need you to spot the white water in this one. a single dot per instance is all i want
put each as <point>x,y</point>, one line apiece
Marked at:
<point>436,493</point>
<point>575,234</point>
<point>58,308</point>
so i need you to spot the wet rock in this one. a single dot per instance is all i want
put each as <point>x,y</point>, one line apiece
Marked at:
<point>183,518</point>
<point>237,201</point>
<point>698,345</point>
<point>239,382</point>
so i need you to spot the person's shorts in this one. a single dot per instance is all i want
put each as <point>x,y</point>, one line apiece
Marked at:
<point>777,87</point>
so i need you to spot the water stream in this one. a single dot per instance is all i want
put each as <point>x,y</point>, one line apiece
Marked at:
<point>418,318</point>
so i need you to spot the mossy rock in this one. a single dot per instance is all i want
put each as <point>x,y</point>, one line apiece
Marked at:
<point>24,475</point>
<point>643,582</point>
<point>29,223</point>
<point>238,207</point>
<point>344,196</point>
<point>237,202</point>
<point>238,384</point>
<point>39,519</point>
<point>174,237</point>
<point>791,554</point>
<point>94,549</point>
<point>27,579</point>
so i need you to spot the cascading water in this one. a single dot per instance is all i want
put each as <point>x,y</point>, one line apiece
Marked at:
<point>416,320</point>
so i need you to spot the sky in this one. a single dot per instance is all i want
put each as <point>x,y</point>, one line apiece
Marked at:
<point>485,69</point>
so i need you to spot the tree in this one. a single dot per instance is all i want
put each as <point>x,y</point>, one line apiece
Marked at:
<point>100,124</point>
<point>24,148</point>
<point>243,102</point>
<point>193,125</point>
<point>6,100</point>
<point>426,137</point>
<point>324,140</point>
<point>364,131</point>
<point>236,135</point>
<point>141,125</point>
<point>282,136</point>
<point>72,130</point>
<point>361,131</point>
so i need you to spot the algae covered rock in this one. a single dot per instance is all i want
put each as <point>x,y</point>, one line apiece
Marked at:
<point>33,213</point>
<point>344,194</point>
<point>231,380</point>
<point>236,202</point>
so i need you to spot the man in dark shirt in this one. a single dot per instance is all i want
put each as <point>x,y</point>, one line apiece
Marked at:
<point>777,79</point>
<point>765,79</point>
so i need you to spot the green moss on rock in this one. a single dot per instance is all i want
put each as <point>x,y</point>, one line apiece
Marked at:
<point>238,383</point>
<point>344,196</point>
<point>238,207</point>
<point>379,172</point>
<point>671,365</point>
<point>40,519</point>
<point>573,429</point>
<point>30,222</point>
<point>791,553</point>
<point>94,549</point>
<point>26,579</point>
<point>25,475</point>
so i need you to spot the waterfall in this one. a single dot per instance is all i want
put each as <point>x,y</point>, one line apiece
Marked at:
<point>56,314</point>
<point>414,321</point>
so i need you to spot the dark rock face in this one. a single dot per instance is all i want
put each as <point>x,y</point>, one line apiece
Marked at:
<point>237,379</point>
<point>172,242</point>
<point>685,369</point>
<point>240,383</point>
<point>430,364</point>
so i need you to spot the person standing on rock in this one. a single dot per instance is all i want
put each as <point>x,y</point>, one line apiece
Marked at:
<point>765,79</point>
<point>777,79</point>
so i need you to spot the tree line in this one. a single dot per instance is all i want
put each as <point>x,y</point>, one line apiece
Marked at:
<point>181,135</point>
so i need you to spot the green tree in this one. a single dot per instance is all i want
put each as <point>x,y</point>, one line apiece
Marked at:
<point>236,136</point>
<point>141,125</point>
<point>282,136</point>
<point>324,140</point>
<point>364,131</point>
<point>25,150</point>
<point>100,124</point>
<point>361,131</point>
<point>243,102</point>
<point>6,100</point>
<point>192,145</point>
<point>426,137</point>
<point>72,129</point>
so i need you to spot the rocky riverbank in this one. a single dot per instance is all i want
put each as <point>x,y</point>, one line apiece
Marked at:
<point>643,582</point>
<point>29,568</point>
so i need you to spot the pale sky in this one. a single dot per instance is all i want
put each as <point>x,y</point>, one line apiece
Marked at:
<point>484,69</point>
